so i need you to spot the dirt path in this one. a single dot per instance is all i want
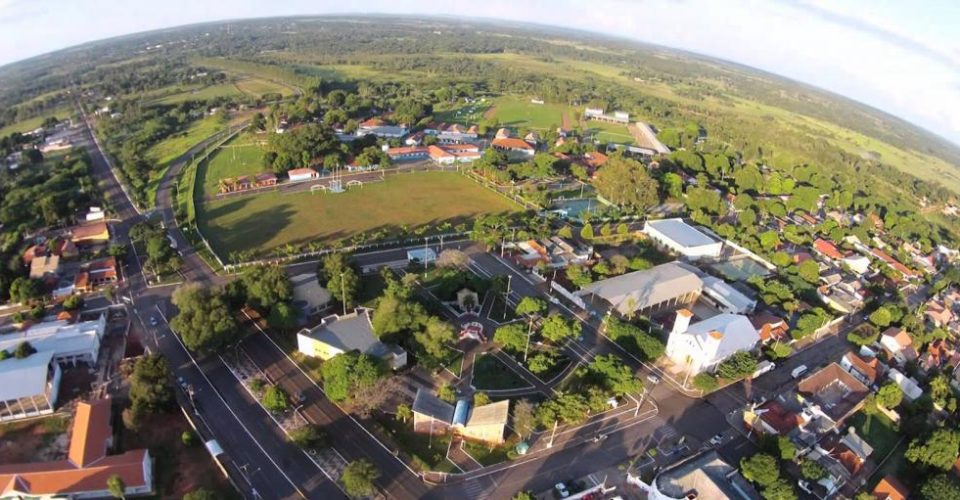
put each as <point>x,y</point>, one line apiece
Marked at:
<point>567,122</point>
<point>490,113</point>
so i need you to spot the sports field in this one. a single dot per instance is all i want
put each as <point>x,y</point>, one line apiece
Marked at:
<point>607,132</point>
<point>240,156</point>
<point>257,87</point>
<point>516,112</point>
<point>262,222</point>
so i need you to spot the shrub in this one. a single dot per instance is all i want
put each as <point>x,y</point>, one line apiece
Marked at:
<point>275,399</point>
<point>705,382</point>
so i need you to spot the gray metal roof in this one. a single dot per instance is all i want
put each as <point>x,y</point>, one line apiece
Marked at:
<point>645,288</point>
<point>428,404</point>
<point>352,332</point>
<point>720,290</point>
<point>21,378</point>
<point>707,475</point>
<point>680,232</point>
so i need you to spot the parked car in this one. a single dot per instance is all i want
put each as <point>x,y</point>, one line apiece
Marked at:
<point>799,371</point>
<point>764,367</point>
<point>717,439</point>
<point>561,490</point>
<point>653,379</point>
<point>154,321</point>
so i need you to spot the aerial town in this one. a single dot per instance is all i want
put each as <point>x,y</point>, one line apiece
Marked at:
<point>236,274</point>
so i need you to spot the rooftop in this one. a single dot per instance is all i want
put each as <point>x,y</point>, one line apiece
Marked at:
<point>680,232</point>
<point>429,405</point>
<point>58,337</point>
<point>648,287</point>
<point>21,378</point>
<point>352,332</point>
<point>706,475</point>
<point>836,391</point>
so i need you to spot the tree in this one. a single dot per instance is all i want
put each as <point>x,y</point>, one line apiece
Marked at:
<point>890,395</point>
<point>454,259</point>
<point>881,317</point>
<point>435,337</point>
<point>511,337</point>
<point>530,306</point>
<point>523,418</point>
<point>447,393</point>
<point>149,388</point>
<point>863,335</point>
<point>282,316</point>
<point>345,374</point>
<point>201,494</point>
<point>541,362</point>
<point>781,489</point>
<point>480,398</point>
<point>940,487</point>
<point>760,468</point>
<point>204,322</point>
<point>342,280</point>
<point>556,328</point>
<point>404,413</point>
<point>809,270</point>
<point>267,286</point>
<point>73,302</point>
<point>587,232</point>
<point>358,478</point>
<point>737,366</point>
<point>116,487</point>
<point>938,451</point>
<point>524,495</point>
<point>812,470</point>
<point>788,450</point>
<point>628,184</point>
<point>23,350</point>
<point>26,290</point>
<point>309,436</point>
<point>275,399</point>
<point>188,438</point>
<point>609,372</point>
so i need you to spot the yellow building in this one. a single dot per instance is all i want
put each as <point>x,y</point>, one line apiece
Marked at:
<point>484,423</point>
<point>353,332</point>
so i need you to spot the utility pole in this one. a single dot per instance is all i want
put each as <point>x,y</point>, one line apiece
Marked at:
<point>553,434</point>
<point>506,296</point>
<point>343,293</point>
<point>529,334</point>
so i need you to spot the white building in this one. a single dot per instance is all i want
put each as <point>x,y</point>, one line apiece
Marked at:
<point>28,386</point>
<point>727,298</point>
<point>302,174</point>
<point>683,239</point>
<point>911,389</point>
<point>701,346</point>
<point>859,264</point>
<point>70,342</point>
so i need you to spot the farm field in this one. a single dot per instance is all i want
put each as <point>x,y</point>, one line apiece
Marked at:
<point>197,93</point>
<point>256,87</point>
<point>260,223</point>
<point>518,112</point>
<point>240,156</point>
<point>464,114</point>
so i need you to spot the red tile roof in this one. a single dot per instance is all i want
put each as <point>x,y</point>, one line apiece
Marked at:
<point>827,249</point>
<point>778,417</point>
<point>511,143</point>
<point>890,488</point>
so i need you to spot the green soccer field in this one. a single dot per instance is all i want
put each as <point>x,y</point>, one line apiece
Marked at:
<point>262,222</point>
<point>515,112</point>
<point>239,156</point>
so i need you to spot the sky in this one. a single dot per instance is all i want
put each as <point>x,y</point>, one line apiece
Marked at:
<point>901,57</point>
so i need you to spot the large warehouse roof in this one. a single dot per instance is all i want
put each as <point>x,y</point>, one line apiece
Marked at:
<point>680,232</point>
<point>646,288</point>
<point>23,378</point>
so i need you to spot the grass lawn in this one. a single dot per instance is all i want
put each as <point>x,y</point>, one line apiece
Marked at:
<point>608,132</point>
<point>517,112</point>
<point>464,114</point>
<point>489,456</point>
<point>257,87</point>
<point>878,430</point>
<point>424,452</point>
<point>169,149</point>
<point>239,156</point>
<point>266,221</point>
<point>199,94</point>
<point>60,112</point>
<point>490,374</point>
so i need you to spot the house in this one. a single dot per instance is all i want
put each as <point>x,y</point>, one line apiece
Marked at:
<point>702,346</point>
<point>95,275</point>
<point>88,465</point>
<point>664,287</point>
<point>415,139</point>
<point>453,153</point>
<point>502,133</point>
<point>727,298</point>
<point>911,389</point>
<point>593,161</point>
<point>770,327</point>
<point>772,419</point>
<point>265,179</point>
<point>894,263</point>
<point>28,386</point>
<point>45,266</point>
<point>513,146</point>
<point>379,128</point>
<point>898,344</point>
<point>598,114</point>
<point>867,371</point>
<point>827,249</point>
<point>935,313</point>
<point>338,334</point>
<point>308,295</point>
<point>683,239</point>
<point>859,264</point>
<point>890,488</point>
<point>91,234</point>
<point>302,174</point>
<point>553,252</point>
<point>935,355</point>
<point>409,153</point>
<point>481,423</point>
<point>704,475</point>
<point>833,394</point>
<point>69,342</point>
<point>841,461</point>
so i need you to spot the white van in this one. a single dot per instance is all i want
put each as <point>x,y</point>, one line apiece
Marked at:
<point>764,367</point>
<point>799,371</point>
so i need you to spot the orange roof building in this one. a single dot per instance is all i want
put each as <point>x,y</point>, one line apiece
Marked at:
<point>827,249</point>
<point>93,234</point>
<point>87,468</point>
<point>512,144</point>
<point>890,488</point>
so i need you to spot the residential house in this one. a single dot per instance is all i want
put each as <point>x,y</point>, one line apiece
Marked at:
<point>88,466</point>
<point>647,139</point>
<point>910,387</point>
<point>906,272</point>
<point>832,394</point>
<point>937,314</point>
<point>308,295</point>
<point>859,264</point>
<point>827,249</point>
<point>898,344</point>
<point>338,334</point>
<point>664,287</point>
<point>890,488</point>
<point>96,274</point>
<point>553,252</point>
<point>485,423</point>
<point>702,346</point>
<point>844,457</point>
<point>772,419</point>
<point>454,153</point>
<point>28,386</point>
<point>45,267</point>
<point>869,371</point>
<point>683,239</point>
<point>513,146</point>
<point>90,234</point>
<point>265,179</point>
<point>770,327</point>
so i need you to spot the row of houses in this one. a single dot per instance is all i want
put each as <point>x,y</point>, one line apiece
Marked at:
<point>445,154</point>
